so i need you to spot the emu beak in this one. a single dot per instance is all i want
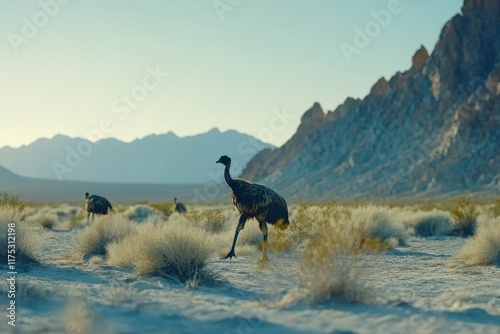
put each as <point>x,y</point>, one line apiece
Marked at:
<point>218,161</point>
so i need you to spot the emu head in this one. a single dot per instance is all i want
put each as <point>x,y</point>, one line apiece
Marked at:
<point>225,160</point>
<point>86,195</point>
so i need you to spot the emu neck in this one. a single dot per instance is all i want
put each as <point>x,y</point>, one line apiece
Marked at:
<point>227,176</point>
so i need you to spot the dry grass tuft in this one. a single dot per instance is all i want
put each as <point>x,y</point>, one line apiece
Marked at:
<point>45,217</point>
<point>212,221</point>
<point>335,238</point>
<point>141,212</point>
<point>15,232</point>
<point>427,224</point>
<point>166,208</point>
<point>330,268</point>
<point>464,213</point>
<point>495,208</point>
<point>104,230</point>
<point>170,250</point>
<point>484,247</point>
<point>10,200</point>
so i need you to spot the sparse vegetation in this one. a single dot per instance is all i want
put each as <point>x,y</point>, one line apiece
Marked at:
<point>27,244</point>
<point>495,208</point>
<point>44,217</point>
<point>333,238</point>
<point>427,224</point>
<point>464,214</point>
<point>484,247</point>
<point>103,231</point>
<point>15,201</point>
<point>141,212</point>
<point>166,208</point>
<point>170,250</point>
<point>211,220</point>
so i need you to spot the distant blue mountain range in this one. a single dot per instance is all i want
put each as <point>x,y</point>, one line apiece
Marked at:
<point>164,158</point>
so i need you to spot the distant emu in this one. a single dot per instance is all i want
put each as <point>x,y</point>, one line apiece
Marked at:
<point>254,201</point>
<point>179,207</point>
<point>96,204</point>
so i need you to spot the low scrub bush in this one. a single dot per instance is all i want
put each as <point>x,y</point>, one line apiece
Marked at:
<point>104,230</point>
<point>428,224</point>
<point>45,217</point>
<point>211,220</point>
<point>464,214</point>
<point>484,247</point>
<point>170,250</point>
<point>141,212</point>
<point>15,232</point>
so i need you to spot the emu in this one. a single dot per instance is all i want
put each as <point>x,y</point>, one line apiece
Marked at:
<point>96,204</point>
<point>179,207</point>
<point>254,201</point>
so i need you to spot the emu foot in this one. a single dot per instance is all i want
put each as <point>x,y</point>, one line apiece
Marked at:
<point>229,255</point>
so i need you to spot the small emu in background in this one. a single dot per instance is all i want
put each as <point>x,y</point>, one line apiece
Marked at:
<point>254,201</point>
<point>179,207</point>
<point>96,204</point>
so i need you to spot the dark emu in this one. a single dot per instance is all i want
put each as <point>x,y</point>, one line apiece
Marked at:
<point>254,201</point>
<point>96,204</point>
<point>179,207</point>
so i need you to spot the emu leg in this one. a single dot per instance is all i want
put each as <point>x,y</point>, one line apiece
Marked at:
<point>88,218</point>
<point>263,229</point>
<point>241,225</point>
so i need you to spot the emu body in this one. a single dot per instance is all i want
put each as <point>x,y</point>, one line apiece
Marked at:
<point>96,204</point>
<point>179,207</point>
<point>254,201</point>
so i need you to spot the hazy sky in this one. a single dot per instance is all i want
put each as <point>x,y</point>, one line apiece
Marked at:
<point>76,66</point>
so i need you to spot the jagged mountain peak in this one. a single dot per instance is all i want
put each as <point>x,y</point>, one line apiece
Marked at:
<point>485,6</point>
<point>311,119</point>
<point>433,129</point>
<point>420,57</point>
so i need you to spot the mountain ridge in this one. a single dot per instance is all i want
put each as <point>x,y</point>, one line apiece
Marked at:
<point>156,158</point>
<point>432,129</point>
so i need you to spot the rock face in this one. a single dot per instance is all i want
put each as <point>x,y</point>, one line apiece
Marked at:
<point>432,130</point>
<point>268,162</point>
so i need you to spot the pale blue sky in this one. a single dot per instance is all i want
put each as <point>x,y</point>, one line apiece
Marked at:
<point>232,73</point>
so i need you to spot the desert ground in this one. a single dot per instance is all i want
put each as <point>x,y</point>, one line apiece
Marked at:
<point>338,268</point>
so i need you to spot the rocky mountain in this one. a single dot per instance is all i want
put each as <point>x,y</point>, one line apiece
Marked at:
<point>164,158</point>
<point>431,130</point>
